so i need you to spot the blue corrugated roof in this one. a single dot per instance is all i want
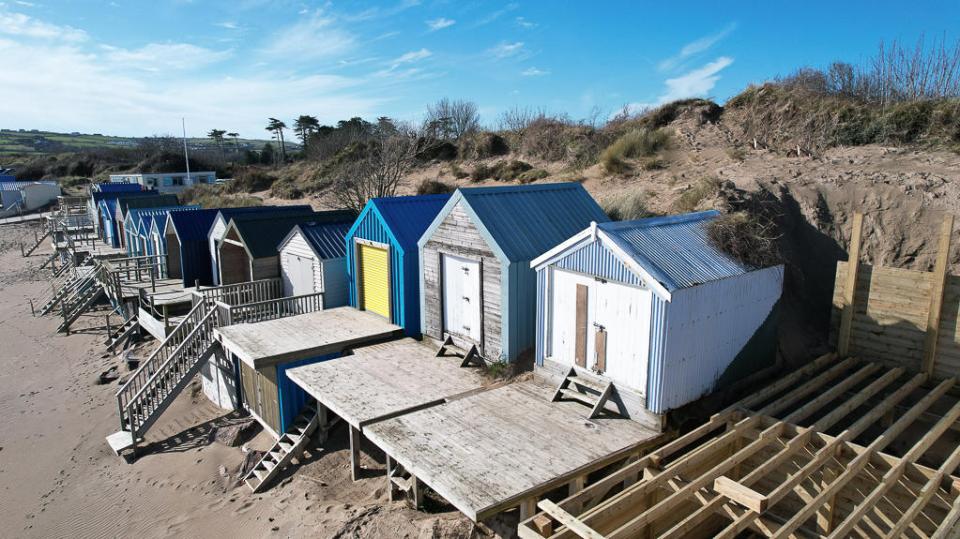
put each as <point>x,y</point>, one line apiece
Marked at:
<point>193,225</point>
<point>328,239</point>
<point>114,195</point>
<point>144,217</point>
<point>262,234</point>
<point>408,217</point>
<point>159,219</point>
<point>675,249</point>
<point>526,221</point>
<point>116,187</point>
<point>17,185</point>
<point>230,213</point>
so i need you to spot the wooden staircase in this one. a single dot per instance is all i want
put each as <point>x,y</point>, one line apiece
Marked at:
<point>70,286</point>
<point>163,375</point>
<point>123,333</point>
<point>290,445</point>
<point>38,240</point>
<point>77,304</point>
<point>594,393</point>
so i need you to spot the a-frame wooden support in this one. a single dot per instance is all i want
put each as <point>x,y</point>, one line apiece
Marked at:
<point>472,357</point>
<point>598,407</point>
<point>443,347</point>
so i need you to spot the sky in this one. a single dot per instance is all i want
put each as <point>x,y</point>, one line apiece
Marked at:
<point>136,67</point>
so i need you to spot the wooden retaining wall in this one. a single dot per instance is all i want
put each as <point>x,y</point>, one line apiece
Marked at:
<point>898,317</point>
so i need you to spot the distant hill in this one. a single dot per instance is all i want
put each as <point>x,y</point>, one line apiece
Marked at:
<point>36,142</point>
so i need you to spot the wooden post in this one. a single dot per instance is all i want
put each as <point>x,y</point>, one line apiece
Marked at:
<point>391,488</point>
<point>109,329</point>
<point>32,310</point>
<point>528,507</point>
<point>417,486</point>
<point>939,277</point>
<point>354,453</point>
<point>849,288</point>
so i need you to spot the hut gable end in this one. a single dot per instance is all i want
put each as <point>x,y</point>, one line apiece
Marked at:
<point>595,259</point>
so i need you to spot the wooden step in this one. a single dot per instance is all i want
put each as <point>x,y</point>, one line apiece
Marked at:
<point>404,484</point>
<point>583,382</point>
<point>572,394</point>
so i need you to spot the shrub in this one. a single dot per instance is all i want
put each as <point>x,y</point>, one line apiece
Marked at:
<point>692,197</point>
<point>633,144</point>
<point>286,188</point>
<point>736,153</point>
<point>439,151</point>
<point>749,239</point>
<point>654,163</point>
<point>481,172</point>
<point>482,145</point>
<point>215,196</point>
<point>249,180</point>
<point>504,171</point>
<point>434,187</point>
<point>458,172</point>
<point>532,175</point>
<point>626,206</point>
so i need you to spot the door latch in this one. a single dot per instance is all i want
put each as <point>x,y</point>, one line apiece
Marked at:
<point>467,299</point>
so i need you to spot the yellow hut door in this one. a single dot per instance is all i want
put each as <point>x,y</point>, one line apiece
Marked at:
<point>374,264</point>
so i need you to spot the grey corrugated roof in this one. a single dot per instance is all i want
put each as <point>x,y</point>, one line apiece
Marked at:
<point>263,234</point>
<point>528,220</point>
<point>675,249</point>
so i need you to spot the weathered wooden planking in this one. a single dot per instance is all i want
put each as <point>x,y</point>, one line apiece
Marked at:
<point>458,235</point>
<point>303,336</point>
<point>487,452</point>
<point>891,314</point>
<point>384,379</point>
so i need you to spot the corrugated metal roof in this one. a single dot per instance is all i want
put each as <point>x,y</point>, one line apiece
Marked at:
<point>409,217</point>
<point>116,187</point>
<point>159,219</point>
<point>114,195</point>
<point>193,225</point>
<point>675,249</point>
<point>527,220</point>
<point>328,239</point>
<point>230,213</point>
<point>262,234</point>
<point>140,215</point>
<point>17,185</point>
<point>127,202</point>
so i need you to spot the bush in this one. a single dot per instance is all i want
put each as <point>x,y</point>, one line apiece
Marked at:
<point>458,172</point>
<point>434,187</point>
<point>748,239</point>
<point>215,196</point>
<point>437,151</point>
<point>654,163</point>
<point>626,206</point>
<point>249,180</point>
<point>481,172</point>
<point>532,175</point>
<point>504,171</point>
<point>286,188</point>
<point>482,145</point>
<point>736,153</point>
<point>635,143</point>
<point>697,193</point>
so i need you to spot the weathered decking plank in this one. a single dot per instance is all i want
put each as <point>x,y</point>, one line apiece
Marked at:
<point>487,452</point>
<point>384,379</point>
<point>303,336</point>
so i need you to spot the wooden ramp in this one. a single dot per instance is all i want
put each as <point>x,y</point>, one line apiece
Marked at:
<point>262,344</point>
<point>493,450</point>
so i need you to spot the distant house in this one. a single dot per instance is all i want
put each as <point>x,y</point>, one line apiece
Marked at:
<point>167,182</point>
<point>313,258</point>
<point>477,284</point>
<point>654,307</point>
<point>382,261</point>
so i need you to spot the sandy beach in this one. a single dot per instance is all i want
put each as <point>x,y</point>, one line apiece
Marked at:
<point>58,477</point>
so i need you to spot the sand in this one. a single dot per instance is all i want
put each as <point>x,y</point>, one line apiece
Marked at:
<point>58,477</point>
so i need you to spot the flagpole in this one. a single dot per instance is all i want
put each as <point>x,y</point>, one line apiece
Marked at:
<point>186,154</point>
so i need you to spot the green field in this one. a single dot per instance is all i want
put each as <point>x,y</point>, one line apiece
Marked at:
<point>34,142</point>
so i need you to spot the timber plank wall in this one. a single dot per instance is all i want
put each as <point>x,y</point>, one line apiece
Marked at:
<point>891,309</point>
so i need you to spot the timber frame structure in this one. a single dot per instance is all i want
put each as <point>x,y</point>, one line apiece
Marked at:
<point>838,448</point>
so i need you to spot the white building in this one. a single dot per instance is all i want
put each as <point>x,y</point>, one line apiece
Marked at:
<point>20,197</point>
<point>167,182</point>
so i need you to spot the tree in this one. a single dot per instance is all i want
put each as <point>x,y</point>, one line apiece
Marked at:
<point>450,120</point>
<point>268,155</point>
<point>236,141</point>
<point>304,127</point>
<point>217,136</point>
<point>378,166</point>
<point>276,126</point>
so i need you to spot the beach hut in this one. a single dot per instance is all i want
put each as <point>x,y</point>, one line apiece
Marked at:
<point>248,251</point>
<point>136,229</point>
<point>187,255</point>
<point>105,208</point>
<point>478,287</point>
<point>654,307</point>
<point>21,196</point>
<point>157,239</point>
<point>125,203</point>
<point>223,217</point>
<point>382,261</point>
<point>313,258</point>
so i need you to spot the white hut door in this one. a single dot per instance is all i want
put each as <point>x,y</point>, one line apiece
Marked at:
<point>622,326</point>
<point>461,297</point>
<point>572,312</point>
<point>299,279</point>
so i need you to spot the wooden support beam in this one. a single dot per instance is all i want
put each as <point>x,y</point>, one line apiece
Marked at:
<point>741,494</point>
<point>926,494</point>
<point>831,394</point>
<point>417,486</point>
<point>849,288</point>
<point>939,281</point>
<point>839,412</point>
<point>528,506</point>
<point>568,520</point>
<point>354,453</point>
<point>807,388</point>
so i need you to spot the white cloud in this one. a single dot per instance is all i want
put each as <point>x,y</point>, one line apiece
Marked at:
<point>156,57</point>
<point>506,50</point>
<point>229,25</point>
<point>695,83</point>
<point>534,72</point>
<point>314,37</point>
<point>697,46</point>
<point>522,22</point>
<point>24,4</point>
<point>440,23</point>
<point>497,14</point>
<point>412,56</point>
<point>25,26</point>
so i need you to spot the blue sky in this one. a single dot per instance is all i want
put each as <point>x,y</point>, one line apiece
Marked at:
<point>130,67</point>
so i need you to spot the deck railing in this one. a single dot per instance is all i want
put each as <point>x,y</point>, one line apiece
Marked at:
<point>273,309</point>
<point>137,269</point>
<point>240,293</point>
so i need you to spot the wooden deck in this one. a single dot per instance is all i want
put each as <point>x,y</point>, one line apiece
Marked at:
<point>307,335</point>
<point>384,380</point>
<point>497,449</point>
<point>164,291</point>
